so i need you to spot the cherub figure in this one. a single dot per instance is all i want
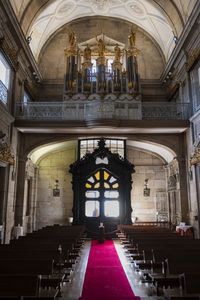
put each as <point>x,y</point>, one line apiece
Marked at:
<point>101,46</point>
<point>132,38</point>
<point>117,52</point>
<point>72,37</point>
<point>87,53</point>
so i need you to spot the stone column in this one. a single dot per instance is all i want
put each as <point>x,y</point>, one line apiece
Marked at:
<point>183,189</point>
<point>34,207</point>
<point>19,208</point>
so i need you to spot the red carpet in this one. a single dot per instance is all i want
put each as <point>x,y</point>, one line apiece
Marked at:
<point>105,278</point>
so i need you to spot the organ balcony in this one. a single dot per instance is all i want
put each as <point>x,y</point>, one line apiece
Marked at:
<point>101,84</point>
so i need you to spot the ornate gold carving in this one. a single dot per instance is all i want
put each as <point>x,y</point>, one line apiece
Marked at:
<point>5,155</point>
<point>87,65</point>
<point>132,50</point>
<point>117,52</point>
<point>117,65</point>
<point>101,46</point>
<point>196,157</point>
<point>132,38</point>
<point>193,55</point>
<point>71,50</point>
<point>87,53</point>
<point>101,61</point>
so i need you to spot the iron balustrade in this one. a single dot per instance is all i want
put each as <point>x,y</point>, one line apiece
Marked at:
<point>94,110</point>
<point>3,93</point>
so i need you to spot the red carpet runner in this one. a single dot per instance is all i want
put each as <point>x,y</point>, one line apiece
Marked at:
<point>105,278</point>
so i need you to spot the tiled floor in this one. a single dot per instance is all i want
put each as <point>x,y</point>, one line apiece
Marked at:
<point>72,290</point>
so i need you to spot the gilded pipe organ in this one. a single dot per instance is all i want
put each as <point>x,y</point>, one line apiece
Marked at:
<point>101,66</point>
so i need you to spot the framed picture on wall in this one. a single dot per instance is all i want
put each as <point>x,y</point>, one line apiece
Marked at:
<point>56,193</point>
<point>146,192</point>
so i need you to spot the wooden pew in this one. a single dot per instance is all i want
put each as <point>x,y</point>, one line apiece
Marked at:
<point>19,285</point>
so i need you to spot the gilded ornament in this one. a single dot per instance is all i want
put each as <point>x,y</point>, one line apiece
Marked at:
<point>101,61</point>
<point>117,52</point>
<point>196,157</point>
<point>87,53</point>
<point>71,50</point>
<point>101,47</point>
<point>132,38</point>
<point>5,154</point>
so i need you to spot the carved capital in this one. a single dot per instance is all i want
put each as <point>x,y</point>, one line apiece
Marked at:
<point>117,65</point>
<point>70,51</point>
<point>132,52</point>
<point>101,60</point>
<point>5,155</point>
<point>196,157</point>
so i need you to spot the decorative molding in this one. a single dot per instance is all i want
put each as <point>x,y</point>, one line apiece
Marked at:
<point>10,52</point>
<point>196,157</point>
<point>173,90</point>
<point>193,56</point>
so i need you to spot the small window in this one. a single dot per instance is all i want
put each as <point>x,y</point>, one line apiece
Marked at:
<point>92,208</point>
<point>4,78</point>
<point>4,71</point>
<point>27,97</point>
<point>111,208</point>
<point>199,76</point>
<point>92,194</point>
<point>111,194</point>
<point>115,146</point>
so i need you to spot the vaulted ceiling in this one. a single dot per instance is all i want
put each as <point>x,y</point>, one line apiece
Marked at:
<point>160,18</point>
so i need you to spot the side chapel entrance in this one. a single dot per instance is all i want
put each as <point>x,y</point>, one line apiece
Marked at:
<point>102,189</point>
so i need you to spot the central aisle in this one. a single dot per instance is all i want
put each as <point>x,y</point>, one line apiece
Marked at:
<point>105,278</point>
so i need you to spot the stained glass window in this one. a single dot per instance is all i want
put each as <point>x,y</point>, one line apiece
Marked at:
<point>102,185</point>
<point>92,208</point>
<point>111,208</point>
<point>115,146</point>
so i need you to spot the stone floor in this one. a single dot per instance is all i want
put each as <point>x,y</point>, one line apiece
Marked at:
<point>72,290</point>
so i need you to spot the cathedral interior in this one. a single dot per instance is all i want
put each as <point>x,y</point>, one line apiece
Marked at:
<point>100,114</point>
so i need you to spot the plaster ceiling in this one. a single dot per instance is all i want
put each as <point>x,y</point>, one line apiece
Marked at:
<point>39,152</point>
<point>166,153</point>
<point>42,18</point>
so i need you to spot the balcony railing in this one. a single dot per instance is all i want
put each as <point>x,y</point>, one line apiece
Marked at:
<point>3,93</point>
<point>95,110</point>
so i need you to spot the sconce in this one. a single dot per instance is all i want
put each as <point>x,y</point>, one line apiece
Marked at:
<point>56,190</point>
<point>146,189</point>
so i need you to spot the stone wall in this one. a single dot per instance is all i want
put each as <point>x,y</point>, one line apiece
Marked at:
<point>148,166</point>
<point>55,166</point>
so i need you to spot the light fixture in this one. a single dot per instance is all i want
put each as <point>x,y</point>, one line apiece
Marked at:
<point>175,38</point>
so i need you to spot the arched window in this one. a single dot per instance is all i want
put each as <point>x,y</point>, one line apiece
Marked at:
<point>102,195</point>
<point>4,78</point>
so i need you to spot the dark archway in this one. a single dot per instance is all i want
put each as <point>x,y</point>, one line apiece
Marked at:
<point>102,185</point>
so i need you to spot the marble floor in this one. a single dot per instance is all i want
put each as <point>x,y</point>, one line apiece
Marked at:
<point>72,290</point>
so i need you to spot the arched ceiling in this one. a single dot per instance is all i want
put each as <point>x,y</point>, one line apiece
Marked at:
<point>160,18</point>
<point>166,154</point>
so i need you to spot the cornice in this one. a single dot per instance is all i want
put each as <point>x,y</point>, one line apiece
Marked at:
<point>20,36</point>
<point>179,46</point>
